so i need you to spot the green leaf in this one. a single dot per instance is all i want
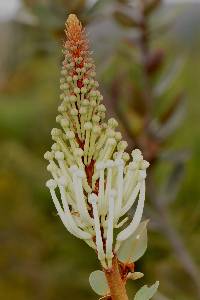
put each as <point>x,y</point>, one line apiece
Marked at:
<point>146,293</point>
<point>134,247</point>
<point>98,283</point>
<point>172,118</point>
<point>171,186</point>
<point>168,78</point>
<point>151,6</point>
<point>124,20</point>
<point>96,6</point>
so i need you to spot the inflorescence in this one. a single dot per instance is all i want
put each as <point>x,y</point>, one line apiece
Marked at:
<point>94,178</point>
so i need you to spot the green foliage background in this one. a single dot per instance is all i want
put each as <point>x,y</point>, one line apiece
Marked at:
<point>39,259</point>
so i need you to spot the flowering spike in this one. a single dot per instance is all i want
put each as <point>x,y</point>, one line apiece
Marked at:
<point>88,161</point>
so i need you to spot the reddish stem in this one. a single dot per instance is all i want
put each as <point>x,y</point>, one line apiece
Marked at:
<point>115,282</point>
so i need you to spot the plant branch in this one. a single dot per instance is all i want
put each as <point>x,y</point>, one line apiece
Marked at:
<point>115,282</point>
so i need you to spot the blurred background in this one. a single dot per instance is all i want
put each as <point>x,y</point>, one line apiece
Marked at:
<point>148,66</point>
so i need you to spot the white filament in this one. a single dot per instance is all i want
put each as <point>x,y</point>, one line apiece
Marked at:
<point>128,231</point>
<point>99,242</point>
<point>67,218</point>
<point>81,203</point>
<point>107,209</point>
<point>109,238</point>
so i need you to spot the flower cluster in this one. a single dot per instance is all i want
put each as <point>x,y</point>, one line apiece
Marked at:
<point>96,180</point>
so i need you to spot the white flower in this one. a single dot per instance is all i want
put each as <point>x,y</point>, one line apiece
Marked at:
<point>95,216</point>
<point>93,185</point>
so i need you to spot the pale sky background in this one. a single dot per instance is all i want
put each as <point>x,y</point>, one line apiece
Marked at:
<point>9,8</point>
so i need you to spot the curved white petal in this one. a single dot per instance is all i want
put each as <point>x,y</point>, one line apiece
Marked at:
<point>128,231</point>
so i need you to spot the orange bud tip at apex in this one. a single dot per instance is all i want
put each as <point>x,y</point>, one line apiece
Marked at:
<point>72,20</point>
